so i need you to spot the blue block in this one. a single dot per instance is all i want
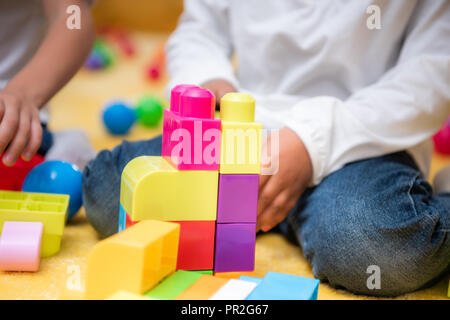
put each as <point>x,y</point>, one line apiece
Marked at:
<point>279,286</point>
<point>122,218</point>
<point>251,279</point>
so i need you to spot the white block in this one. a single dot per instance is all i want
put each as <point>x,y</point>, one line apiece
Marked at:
<point>234,290</point>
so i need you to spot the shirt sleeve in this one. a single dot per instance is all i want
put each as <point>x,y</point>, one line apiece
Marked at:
<point>401,110</point>
<point>200,48</point>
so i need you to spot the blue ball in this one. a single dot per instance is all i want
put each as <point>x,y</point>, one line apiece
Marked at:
<point>118,117</point>
<point>56,177</point>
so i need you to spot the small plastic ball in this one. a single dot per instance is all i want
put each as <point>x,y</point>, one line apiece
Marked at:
<point>442,139</point>
<point>56,177</point>
<point>149,111</point>
<point>94,61</point>
<point>118,118</point>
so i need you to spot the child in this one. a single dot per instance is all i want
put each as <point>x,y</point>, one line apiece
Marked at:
<point>38,56</point>
<point>356,105</point>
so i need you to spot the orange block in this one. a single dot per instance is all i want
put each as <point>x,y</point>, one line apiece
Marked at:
<point>133,260</point>
<point>234,275</point>
<point>203,288</point>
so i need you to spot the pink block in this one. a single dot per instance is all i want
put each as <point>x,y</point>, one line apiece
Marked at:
<point>20,246</point>
<point>191,139</point>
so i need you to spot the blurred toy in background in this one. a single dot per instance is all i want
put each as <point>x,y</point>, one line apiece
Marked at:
<point>118,117</point>
<point>101,56</point>
<point>120,38</point>
<point>157,64</point>
<point>149,111</point>
<point>57,177</point>
<point>442,139</point>
<point>12,177</point>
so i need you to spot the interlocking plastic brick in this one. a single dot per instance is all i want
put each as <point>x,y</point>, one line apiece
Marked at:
<point>174,285</point>
<point>234,290</point>
<point>196,245</point>
<point>50,209</point>
<point>13,177</point>
<point>235,247</point>
<point>240,147</point>
<point>20,246</point>
<point>191,136</point>
<point>152,188</point>
<point>280,286</point>
<point>133,260</point>
<point>238,198</point>
<point>202,289</point>
<point>234,275</point>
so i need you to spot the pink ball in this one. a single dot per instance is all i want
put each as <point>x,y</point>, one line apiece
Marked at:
<point>442,139</point>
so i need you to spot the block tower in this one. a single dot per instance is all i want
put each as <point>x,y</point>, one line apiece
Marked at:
<point>206,180</point>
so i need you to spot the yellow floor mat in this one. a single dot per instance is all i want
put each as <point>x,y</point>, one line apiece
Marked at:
<point>78,105</point>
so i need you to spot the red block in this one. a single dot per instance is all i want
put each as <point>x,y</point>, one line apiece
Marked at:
<point>129,222</point>
<point>196,245</point>
<point>12,177</point>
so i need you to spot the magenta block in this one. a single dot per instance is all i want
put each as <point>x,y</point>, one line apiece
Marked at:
<point>238,198</point>
<point>235,247</point>
<point>20,246</point>
<point>191,137</point>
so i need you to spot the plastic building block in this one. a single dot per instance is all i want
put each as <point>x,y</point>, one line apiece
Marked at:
<point>12,177</point>
<point>58,177</point>
<point>235,247</point>
<point>20,246</point>
<point>174,285</point>
<point>191,135</point>
<point>50,209</point>
<point>234,290</point>
<point>133,260</point>
<point>241,137</point>
<point>152,189</point>
<point>209,272</point>
<point>125,295</point>
<point>280,286</point>
<point>234,275</point>
<point>196,245</point>
<point>251,279</point>
<point>238,198</point>
<point>203,288</point>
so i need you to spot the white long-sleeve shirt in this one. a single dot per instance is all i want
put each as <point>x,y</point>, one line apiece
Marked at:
<point>349,91</point>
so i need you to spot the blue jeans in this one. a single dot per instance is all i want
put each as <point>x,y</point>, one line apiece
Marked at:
<point>375,212</point>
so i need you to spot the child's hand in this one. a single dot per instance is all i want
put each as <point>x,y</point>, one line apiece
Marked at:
<point>279,193</point>
<point>219,88</point>
<point>20,128</point>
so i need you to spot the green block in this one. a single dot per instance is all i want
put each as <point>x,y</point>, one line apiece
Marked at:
<point>210,272</point>
<point>172,286</point>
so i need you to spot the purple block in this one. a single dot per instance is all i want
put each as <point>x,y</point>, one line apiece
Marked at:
<point>238,198</point>
<point>235,247</point>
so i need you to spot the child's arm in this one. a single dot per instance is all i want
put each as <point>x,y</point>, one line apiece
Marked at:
<point>199,50</point>
<point>401,110</point>
<point>60,55</point>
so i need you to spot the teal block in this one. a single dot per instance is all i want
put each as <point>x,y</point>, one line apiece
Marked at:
<point>122,218</point>
<point>251,279</point>
<point>280,286</point>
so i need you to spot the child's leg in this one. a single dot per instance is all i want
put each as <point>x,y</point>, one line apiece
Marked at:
<point>101,182</point>
<point>376,212</point>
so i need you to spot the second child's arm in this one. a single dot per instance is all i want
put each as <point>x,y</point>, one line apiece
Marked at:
<point>59,57</point>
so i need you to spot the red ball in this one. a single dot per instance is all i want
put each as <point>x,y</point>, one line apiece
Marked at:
<point>153,72</point>
<point>442,139</point>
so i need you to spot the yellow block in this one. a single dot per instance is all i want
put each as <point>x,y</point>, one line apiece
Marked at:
<point>125,295</point>
<point>240,148</point>
<point>133,260</point>
<point>50,209</point>
<point>152,188</point>
<point>234,275</point>
<point>203,288</point>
